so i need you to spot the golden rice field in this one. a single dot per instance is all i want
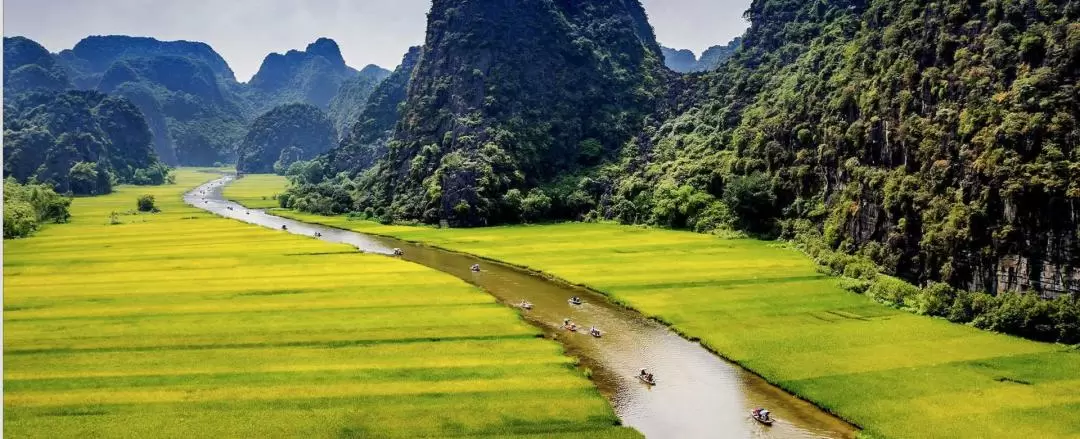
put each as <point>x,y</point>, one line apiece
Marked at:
<point>891,372</point>
<point>183,324</point>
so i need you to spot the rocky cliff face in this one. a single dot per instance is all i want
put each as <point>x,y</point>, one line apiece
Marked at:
<point>365,140</point>
<point>352,97</point>
<point>937,139</point>
<point>510,94</point>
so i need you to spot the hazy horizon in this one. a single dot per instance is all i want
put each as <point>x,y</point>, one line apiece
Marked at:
<point>368,32</point>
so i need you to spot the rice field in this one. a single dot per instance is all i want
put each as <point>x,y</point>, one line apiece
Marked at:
<point>254,194</point>
<point>183,324</point>
<point>891,372</point>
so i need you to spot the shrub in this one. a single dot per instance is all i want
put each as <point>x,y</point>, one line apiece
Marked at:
<point>27,206</point>
<point>892,291</point>
<point>145,203</point>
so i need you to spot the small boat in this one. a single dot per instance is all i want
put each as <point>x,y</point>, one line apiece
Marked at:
<point>283,227</point>
<point>762,416</point>
<point>571,327</point>
<point>595,332</point>
<point>575,300</point>
<point>398,252</point>
<point>475,268</point>
<point>525,305</point>
<point>647,379</point>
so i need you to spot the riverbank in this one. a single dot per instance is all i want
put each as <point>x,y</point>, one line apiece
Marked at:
<point>185,324</point>
<point>891,372</point>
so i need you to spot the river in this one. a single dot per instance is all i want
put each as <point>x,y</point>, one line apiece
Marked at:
<point>698,394</point>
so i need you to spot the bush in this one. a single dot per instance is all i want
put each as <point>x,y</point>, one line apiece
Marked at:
<point>27,206</point>
<point>145,203</point>
<point>892,291</point>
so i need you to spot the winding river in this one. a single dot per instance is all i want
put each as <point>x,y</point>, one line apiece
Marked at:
<point>698,394</point>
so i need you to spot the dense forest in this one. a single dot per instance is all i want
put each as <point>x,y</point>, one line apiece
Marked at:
<point>936,139</point>
<point>508,97</point>
<point>283,136</point>
<point>82,142</point>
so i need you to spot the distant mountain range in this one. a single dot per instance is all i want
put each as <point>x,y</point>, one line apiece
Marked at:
<point>684,61</point>
<point>197,111</point>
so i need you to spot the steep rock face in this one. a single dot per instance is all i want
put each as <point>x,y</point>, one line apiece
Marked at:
<point>509,95</point>
<point>938,139</point>
<point>28,67</point>
<point>311,76</point>
<point>284,135</point>
<point>365,140</point>
<point>352,97</point>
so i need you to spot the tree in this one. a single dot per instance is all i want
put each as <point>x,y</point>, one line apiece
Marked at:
<point>145,203</point>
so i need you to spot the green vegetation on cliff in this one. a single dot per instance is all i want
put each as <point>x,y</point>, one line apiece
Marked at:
<point>29,67</point>
<point>186,91</point>
<point>936,139</point>
<point>510,96</point>
<point>352,97</point>
<point>283,136</point>
<point>81,142</point>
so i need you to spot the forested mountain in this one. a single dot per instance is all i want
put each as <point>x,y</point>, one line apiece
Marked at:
<point>284,135</point>
<point>93,56</point>
<point>684,61</point>
<point>186,91</point>
<point>936,138</point>
<point>352,97</point>
<point>365,140</point>
<point>311,76</point>
<point>29,67</point>
<point>508,96</point>
<point>78,141</point>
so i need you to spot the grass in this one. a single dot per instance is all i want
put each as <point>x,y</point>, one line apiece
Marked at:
<point>183,324</point>
<point>893,373</point>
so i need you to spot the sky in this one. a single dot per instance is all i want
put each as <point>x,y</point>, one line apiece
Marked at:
<point>368,31</point>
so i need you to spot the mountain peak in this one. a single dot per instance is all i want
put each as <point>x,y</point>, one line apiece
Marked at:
<point>326,48</point>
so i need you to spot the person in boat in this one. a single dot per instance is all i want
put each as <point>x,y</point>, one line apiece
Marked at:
<point>644,374</point>
<point>566,322</point>
<point>283,227</point>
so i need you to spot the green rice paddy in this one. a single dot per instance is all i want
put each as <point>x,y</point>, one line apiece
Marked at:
<point>183,324</point>
<point>891,372</point>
